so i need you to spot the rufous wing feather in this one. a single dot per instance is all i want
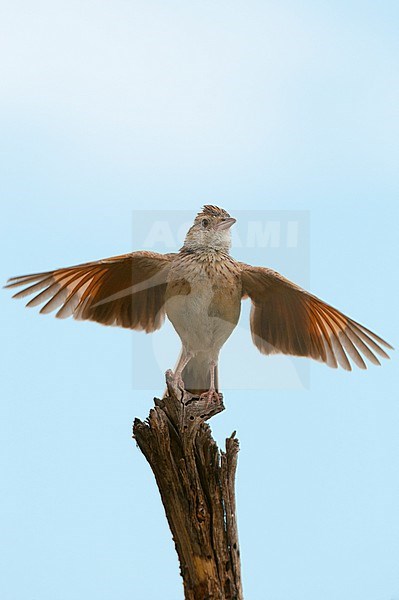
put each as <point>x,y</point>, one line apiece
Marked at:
<point>286,319</point>
<point>126,290</point>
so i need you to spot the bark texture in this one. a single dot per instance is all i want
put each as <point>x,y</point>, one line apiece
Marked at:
<point>196,483</point>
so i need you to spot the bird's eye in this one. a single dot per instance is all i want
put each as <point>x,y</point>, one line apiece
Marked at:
<point>205,222</point>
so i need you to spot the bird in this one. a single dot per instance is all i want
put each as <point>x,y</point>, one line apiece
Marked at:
<point>200,289</point>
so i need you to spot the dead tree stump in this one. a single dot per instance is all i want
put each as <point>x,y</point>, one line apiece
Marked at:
<point>196,483</point>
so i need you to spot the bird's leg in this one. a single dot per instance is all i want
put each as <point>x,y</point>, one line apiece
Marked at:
<point>211,393</point>
<point>184,360</point>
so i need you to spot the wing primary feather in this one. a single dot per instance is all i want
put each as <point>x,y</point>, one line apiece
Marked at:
<point>73,299</point>
<point>362,346</point>
<point>344,339</point>
<point>23,279</point>
<point>373,335</point>
<point>336,344</point>
<point>44,295</point>
<point>367,339</point>
<point>325,338</point>
<point>33,288</point>
<point>328,335</point>
<point>62,295</point>
<point>84,299</point>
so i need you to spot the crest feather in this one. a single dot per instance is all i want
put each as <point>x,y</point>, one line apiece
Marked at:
<point>215,211</point>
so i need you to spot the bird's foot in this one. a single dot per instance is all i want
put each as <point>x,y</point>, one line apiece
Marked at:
<point>179,382</point>
<point>175,379</point>
<point>211,396</point>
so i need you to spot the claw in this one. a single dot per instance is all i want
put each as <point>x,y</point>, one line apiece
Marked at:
<point>174,380</point>
<point>178,381</point>
<point>210,396</point>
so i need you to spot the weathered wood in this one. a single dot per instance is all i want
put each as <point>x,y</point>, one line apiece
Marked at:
<point>196,483</point>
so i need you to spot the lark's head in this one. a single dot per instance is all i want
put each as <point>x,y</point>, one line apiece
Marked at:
<point>210,231</point>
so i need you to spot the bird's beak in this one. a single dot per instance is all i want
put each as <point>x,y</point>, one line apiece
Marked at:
<point>225,224</point>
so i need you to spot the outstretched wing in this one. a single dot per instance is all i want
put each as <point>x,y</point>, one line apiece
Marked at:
<point>127,290</point>
<point>286,319</point>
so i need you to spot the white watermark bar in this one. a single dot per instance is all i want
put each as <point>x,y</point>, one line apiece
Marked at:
<point>275,239</point>
<point>167,235</point>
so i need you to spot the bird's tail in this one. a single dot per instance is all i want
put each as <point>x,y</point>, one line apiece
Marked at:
<point>196,374</point>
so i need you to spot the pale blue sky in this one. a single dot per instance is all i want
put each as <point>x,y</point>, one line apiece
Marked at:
<point>110,108</point>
